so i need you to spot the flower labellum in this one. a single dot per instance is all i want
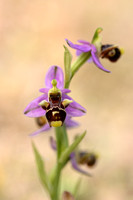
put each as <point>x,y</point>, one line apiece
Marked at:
<point>111,52</point>
<point>87,158</point>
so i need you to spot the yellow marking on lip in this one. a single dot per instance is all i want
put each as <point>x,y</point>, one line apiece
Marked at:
<point>55,112</point>
<point>56,123</point>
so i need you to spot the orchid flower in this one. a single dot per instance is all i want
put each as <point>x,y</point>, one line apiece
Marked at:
<point>97,50</point>
<point>54,103</point>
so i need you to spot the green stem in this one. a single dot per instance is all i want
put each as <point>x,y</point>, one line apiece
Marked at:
<point>56,182</point>
<point>79,62</point>
<point>67,84</point>
<point>61,140</point>
<point>62,144</point>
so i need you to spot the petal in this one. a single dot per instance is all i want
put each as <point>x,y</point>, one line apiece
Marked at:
<point>44,128</point>
<point>74,109</point>
<point>54,72</point>
<point>76,166</point>
<point>33,109</point>
<point>97,62</point>
<point>70,123</point>
<point>83,47</point>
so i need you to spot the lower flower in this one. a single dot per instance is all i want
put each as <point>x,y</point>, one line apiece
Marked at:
<point>78,158</point>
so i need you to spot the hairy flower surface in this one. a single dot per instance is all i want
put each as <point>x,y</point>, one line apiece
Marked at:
<point>54,103</point>
<point>85,47</point>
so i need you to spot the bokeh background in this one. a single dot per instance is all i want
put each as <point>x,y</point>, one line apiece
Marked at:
<point>32,35</point>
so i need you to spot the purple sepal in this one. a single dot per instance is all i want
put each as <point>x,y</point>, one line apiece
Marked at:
<point>44,128</point>
<point>54,72</point>
<point>70,123</point>
<point>44,90</point>
<point>65,90</point>
<point>33,109</point>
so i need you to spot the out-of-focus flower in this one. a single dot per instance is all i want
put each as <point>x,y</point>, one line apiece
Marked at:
<point>55,104</point>
<point>78,158</point>
<point>67,196</point>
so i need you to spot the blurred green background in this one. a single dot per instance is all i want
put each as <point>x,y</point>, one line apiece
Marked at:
<point>32,35</point>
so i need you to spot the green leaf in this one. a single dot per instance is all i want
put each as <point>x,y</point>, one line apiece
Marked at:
<point>77,187</point>
<point>67,65</point>
<point>65,155</point>
<point>41,170</point>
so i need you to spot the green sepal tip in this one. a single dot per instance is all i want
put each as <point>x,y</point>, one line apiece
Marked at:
<point>97,39</point>
<point>67,66</point>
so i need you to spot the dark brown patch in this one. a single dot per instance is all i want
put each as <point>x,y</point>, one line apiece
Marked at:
<point>59,116</point>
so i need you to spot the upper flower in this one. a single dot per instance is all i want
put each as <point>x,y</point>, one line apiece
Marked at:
<point>85,47</point>
<point>55,104</point>
<point>96,50</point>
